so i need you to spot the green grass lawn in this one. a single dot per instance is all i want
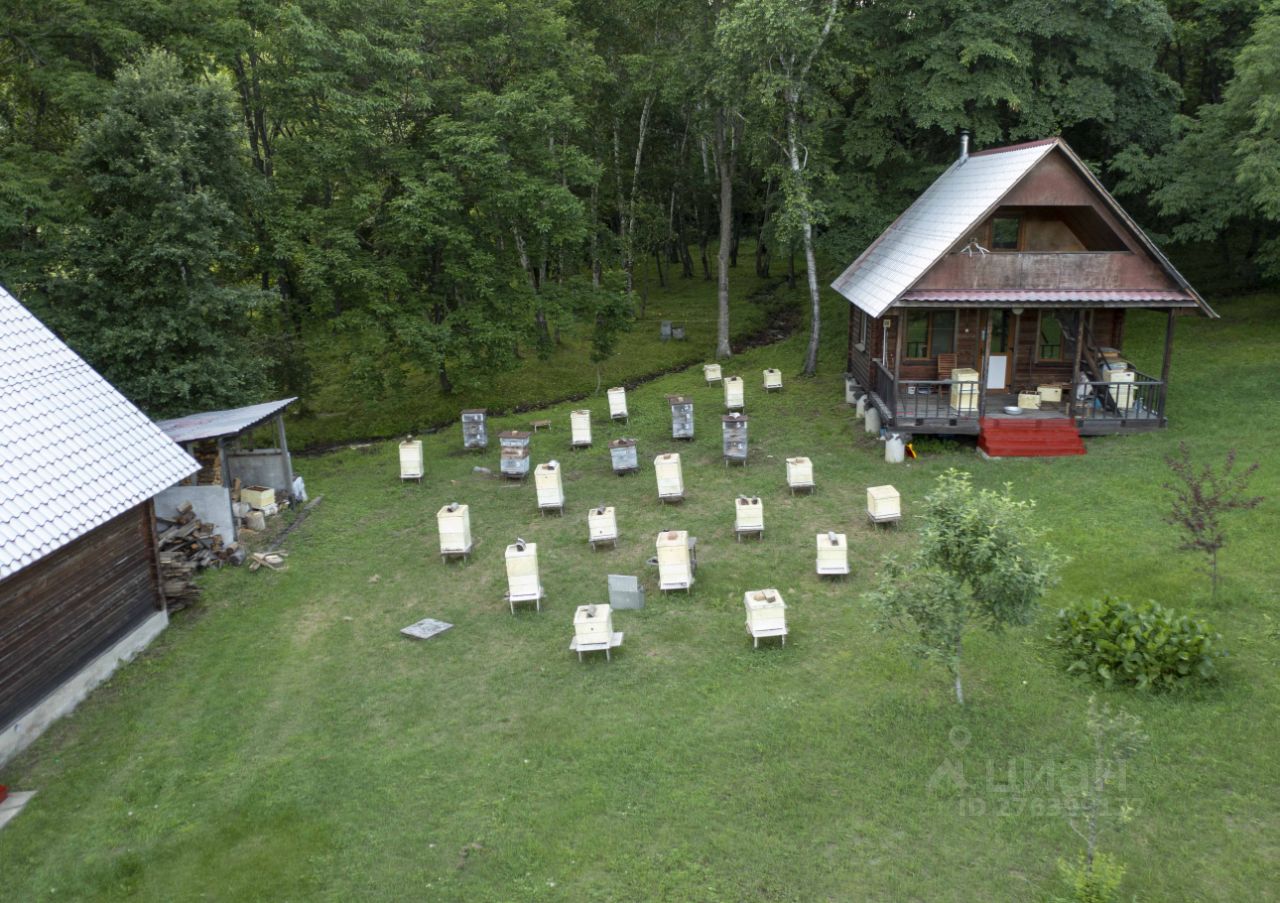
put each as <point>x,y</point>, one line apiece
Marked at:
<point>284,742</point>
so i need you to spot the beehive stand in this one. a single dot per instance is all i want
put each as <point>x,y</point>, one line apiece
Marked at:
<point>799,474</point>
<point>884,505</point>
<point>593,631</point>
<point>524,584</point>
<point>411,460</point>
<point>454,523</point>
<point>748,517</point>
<point>766,615</point>
<point>602,526</point>
<point>833,555</point>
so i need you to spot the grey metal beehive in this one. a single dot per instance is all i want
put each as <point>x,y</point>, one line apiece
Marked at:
<point>681,416</point>
<point>515,453</point>
<point>625,592</point>
<point>735,437</point>
<point>474,432</point>
<point>624,456</point>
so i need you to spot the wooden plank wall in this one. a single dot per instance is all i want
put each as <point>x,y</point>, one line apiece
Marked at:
<point>57,614</point>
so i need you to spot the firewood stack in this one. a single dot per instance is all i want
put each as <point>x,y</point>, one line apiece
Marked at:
<point>186,545</point>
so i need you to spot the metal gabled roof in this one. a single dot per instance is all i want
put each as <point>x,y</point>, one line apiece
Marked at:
<point>939,218</point>
<point>216,424</point>
<point>74,452</point>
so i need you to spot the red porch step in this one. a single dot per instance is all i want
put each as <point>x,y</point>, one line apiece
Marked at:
<point>1011,437</point>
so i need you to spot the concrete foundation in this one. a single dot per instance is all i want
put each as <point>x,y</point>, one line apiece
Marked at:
<point>23,731</point>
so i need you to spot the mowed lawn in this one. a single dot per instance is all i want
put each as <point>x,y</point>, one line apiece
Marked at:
<point>284,742</point>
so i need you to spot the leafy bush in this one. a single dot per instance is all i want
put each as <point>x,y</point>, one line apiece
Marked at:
<point>1144,645</point>
<point>1096,882</point>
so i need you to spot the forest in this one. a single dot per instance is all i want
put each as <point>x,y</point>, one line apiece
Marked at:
<point>211,200</point>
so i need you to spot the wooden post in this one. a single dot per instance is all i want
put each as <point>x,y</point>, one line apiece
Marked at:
<point>1075,369</point>
<point>1164,368</point>
<point>984,338</point>
<point>284,453</point>
<point>899,323</point>
<point>848,356</point>
<point>1013,350</point>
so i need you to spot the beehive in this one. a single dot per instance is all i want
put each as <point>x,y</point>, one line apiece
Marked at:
<point>748,516</point>
<point>454,523</point>
<point>964,390</point>
<point>883,503</point>
<point>1029,401</point>
<point>833,553</point>
<point>474,432</point>
<point>1122,395</point>
<point>675,569</point>
<point>772,379</point>
<point>733,393</point>
<point>670,477</point>
<point>799,473</point>
<point>622,453</point>
<point>547,479</point>
<point>523,582</point>
<point>681,416</point>
<point>593,625</point>
<point>712,373</point>
<point>258,496</point>
<point>514,460</point>
<point>766,614</point>
<point>1050,394</point>
<point>618,404</point>
<point>580,429</point>
<point>410,460</point>
<point>602,525</point>
<point>735,437</point>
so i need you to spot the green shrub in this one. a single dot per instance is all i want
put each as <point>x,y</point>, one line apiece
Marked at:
<point>1099,883</point>
<point>1144,645</point>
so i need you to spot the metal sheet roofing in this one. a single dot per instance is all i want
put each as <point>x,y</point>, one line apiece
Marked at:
<point>215,424</point>
<point>937,220</point>
<point>74,452</point>
<point>1047,298</point>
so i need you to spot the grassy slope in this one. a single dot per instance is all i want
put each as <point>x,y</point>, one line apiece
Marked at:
<point>286,743</point>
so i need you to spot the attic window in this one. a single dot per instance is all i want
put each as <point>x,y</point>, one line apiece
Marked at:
<point>1004,233</point>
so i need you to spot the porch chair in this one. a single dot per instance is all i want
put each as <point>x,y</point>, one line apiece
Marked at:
<point>946,363</point>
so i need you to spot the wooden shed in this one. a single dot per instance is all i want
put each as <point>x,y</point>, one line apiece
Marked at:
<point>995,306</point>
<point>80,589</point>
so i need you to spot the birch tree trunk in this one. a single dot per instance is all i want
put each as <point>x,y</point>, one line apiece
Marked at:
<point>726,152</point>
<point>811,266</point>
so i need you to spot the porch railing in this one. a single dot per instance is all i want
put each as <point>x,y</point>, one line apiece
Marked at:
<point>919,400</point>
<point>1140,401</point>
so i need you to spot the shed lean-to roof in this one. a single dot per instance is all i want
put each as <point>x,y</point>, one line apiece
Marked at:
<point>216,424</point>
<point>74,452</point>
<point>949,209</point>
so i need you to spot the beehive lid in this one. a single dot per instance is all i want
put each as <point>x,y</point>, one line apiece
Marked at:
<point>601,509</point>
<point>474,411</point>
<point>549,467</point>
<point>734,379</point>
<point>825,541</point>
<point>586,615</point>
<point>622,443</point>
<point>673,538</point>
<point>582,413</point>
<point>772,370</point>
<point>763,598</point>
<point>747,501</point>
<point>514,434</point>
<point>515,550</point>
<point>452,508</point>
<point>797,461</point>
<point>734,418</point>
<point>668,457</point>
<point>410,443</point>
<point>617,389</point>
<point>882,492</point>
<point>678,399</point>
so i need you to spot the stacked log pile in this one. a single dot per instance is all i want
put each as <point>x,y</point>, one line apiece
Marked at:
<point>187,545</point>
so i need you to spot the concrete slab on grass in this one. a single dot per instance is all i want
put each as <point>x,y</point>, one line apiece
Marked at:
<point>426,629</point>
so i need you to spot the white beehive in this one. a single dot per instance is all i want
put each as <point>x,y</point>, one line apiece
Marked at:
<point>766,614</point>
<point>593,625</point>
<point>772,379</point>
<point>733,393</point>
<point>799,474</point>
<point>1122,395</point>
<point>547,479</point>
<point>602,525</point>
<point>833,553</point>
<point>712,373</point>
<point>964,390</point>
<point>670,478</point>
<point>748,516</point>
<point>618,404</point>
<point>675,569</point>
<point>883,503</point>
<point>411,460</point>
<point>523,582</point>
<point>454,523</point>
<point>580,429</point>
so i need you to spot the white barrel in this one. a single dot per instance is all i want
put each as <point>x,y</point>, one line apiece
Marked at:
<point>873,420</point>
<point>895,450</point>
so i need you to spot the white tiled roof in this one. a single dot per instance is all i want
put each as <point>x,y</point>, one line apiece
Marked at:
<point>74,452</point>
<point>940,217</point>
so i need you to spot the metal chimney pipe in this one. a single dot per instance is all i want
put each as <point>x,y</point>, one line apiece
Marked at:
<point>964,145</point>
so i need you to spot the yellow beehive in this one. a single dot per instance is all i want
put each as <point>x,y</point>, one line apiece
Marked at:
<point>1029,401</point>
<point>964,390</point>
<point>833,553</point>
<point>670,477</point>
<point>1050,394</point>
<point>733,392</point>
<point>602,525</point>
<point>580,429</point>
<point>593,625</point>
<point>766,614</point>
<point>883,503</point>
<point>454,523</point>
<point>523,583</point>
<point>1122,395</point>
<point>772,379</point>
<point>675,570</point>
<point>547,480</point>
<point>258,496</point>
<point>618,403</point>
<point>799,473</point>
<point>410,460</point>
<point>711,372</point>
<point>748,515</point>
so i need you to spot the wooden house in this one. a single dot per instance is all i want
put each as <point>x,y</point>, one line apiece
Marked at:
<point>995,306</point>
<point>80,589</point>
